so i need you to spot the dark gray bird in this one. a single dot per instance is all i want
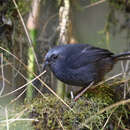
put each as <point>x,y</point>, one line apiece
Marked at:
<point>81,64</point>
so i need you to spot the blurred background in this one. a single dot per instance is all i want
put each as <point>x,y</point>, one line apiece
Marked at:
<point>102,23</point>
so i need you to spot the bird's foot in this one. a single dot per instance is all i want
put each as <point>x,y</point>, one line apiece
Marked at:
<point>83,91</point>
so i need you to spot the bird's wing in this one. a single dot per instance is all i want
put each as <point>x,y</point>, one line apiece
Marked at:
<point>87,56</point>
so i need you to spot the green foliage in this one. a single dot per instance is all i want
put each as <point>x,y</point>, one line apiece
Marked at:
<point>23,6</point>
<point>52,114</point>
<point>48,111</point>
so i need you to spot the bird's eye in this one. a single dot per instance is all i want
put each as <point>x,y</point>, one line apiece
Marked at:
<point>54,57</point>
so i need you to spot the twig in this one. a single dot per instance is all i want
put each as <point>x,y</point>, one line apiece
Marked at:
<point>20,114</point>
<point>127,66</point>
<point>83,91</point>
<point>3,77</point>
<point>108,108</point>
<point>6,81</point>
<point>124,70</point>
<point>37,77</point>
<point>72,95</point>
<point>113,77</point>
<point>124,76</point>
<point>18,96</point>
<point>44,85</point>
<point>60,123</point>
<point>23,85</point>
<point>26,79</point>
<point>17,117</point>
<point>5,64</point>
<point>56,95</point>
<point>94,4</point>
<point>107,120</point>
<point>20,119</point>
<point>7,121</point>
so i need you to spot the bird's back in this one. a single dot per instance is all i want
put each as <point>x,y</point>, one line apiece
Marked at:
<point>84,64</point>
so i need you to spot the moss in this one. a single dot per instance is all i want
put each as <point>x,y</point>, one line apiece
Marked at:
<point>52,114</point>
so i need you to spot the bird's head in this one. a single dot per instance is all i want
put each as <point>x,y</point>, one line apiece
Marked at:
<point>53,57</point>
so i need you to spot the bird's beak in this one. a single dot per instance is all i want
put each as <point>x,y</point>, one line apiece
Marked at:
<point>45,65</point>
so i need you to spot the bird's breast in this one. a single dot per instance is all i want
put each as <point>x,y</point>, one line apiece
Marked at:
<point>77,77</point>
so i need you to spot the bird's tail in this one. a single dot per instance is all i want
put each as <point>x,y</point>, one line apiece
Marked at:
<point>122,56</point>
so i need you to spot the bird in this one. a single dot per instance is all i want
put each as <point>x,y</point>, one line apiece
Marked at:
<point>81,64</point>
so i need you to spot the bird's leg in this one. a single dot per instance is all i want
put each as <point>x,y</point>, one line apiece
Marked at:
<point>72,95</point>
<point>83,91</point>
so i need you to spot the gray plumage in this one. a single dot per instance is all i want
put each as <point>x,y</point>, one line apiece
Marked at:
<point>80,64</point>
